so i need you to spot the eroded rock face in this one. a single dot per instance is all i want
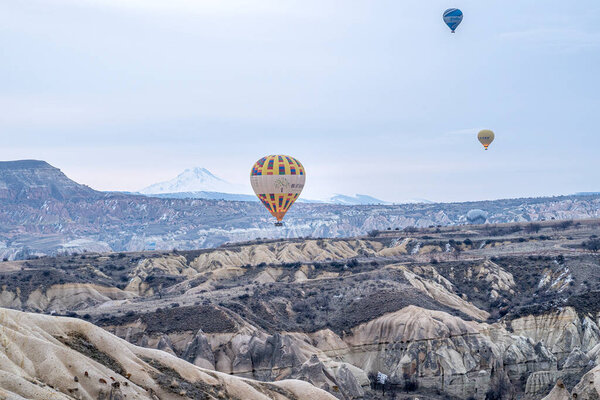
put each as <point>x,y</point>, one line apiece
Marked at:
<point>561,332</point>
<point>199,352</point>
<point>559,392</point>
<point>62,297</point>
<point>336,312</point>
<point>45,357</point>
<point>588,387</point>
<point>539,383</point>
<point>432,349</point>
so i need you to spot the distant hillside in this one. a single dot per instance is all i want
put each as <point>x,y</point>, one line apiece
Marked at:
<point>363,199</point>
<point>206,195</point>
<point>44,212</point>
<point>217,196</point>
<point>28,180</point>
<point>587,194</point>
<point>357,199</point>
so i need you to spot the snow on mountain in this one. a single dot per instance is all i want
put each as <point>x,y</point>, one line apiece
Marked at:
<point>194,180</point>
<point>357,199</point>
<point>200,183</point>
<point>414,201</point>
<point>363,199</point>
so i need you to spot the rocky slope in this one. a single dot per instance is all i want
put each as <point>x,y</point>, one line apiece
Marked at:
<point>43,357</point>
<point>507,311</point>
<point>33,180</point>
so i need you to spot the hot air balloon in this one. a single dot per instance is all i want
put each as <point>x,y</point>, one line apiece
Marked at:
<point>486,137</point>
<point>277,180</point>
<point>477,216</point>
<point>453,17</point>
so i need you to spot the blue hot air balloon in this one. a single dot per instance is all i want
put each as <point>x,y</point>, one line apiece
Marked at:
<point>453,17</point>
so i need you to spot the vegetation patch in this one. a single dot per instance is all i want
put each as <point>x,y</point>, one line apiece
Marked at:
<point>173,382</point>
<point>192,318</point>
<point>338,304</point>
<point>273,388</point>
<point>80,343</point>
<point>178,319</point>
<point>585,303</point>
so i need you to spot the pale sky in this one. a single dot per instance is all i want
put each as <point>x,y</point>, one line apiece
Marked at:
<point>373,97</point>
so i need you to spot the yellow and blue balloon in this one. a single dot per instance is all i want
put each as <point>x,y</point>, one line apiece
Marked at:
<point>277,181</point>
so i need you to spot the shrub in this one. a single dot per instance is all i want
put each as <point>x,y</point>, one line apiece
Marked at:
<point>564,225</point>
<point>533,227</point>
<point>592,245</point>
<point>353,263</point>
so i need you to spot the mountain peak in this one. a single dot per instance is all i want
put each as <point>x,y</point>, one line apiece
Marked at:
<point>200,172</point>
<point>195,179</point>
<point>35,180</point>
<point>24,164</point>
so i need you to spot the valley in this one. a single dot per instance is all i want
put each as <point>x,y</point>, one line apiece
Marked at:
<point>456,312</point>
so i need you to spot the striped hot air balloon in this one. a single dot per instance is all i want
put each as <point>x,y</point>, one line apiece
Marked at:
<point>453,17</point>
<point>277,180</point>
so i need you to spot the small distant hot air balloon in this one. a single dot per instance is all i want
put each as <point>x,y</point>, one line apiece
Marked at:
<point>277,180</point>
<point>453,17</point>
<point>486,137</point>
<point>477,216</point>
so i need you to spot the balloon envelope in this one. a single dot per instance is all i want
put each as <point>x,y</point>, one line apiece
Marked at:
<point>486,137</point>
<point>453,17</point>
<point>477,216</point>
<point>277,180</point>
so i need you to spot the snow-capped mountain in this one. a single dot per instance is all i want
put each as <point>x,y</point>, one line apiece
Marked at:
<point>414,201</point>
<point>363,199</point>
<point>200,183</point>
<point>194,180</point>
<point>357,199</point>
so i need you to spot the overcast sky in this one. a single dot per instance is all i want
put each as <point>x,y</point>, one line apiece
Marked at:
<point>373,97</point>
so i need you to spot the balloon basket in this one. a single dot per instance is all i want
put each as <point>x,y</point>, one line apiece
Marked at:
<point>278,224</point>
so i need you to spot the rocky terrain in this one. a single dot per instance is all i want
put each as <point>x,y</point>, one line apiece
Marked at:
<point>63,358</point>
<point>43,212</point>
<point>495,311</point>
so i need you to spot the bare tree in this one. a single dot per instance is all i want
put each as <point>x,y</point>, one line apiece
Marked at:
<point>592,245</point>
<point>533,227</point>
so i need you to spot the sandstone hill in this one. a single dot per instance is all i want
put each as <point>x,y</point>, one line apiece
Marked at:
<point>479,311</point>
<point>46,357</point>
